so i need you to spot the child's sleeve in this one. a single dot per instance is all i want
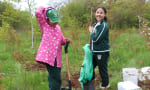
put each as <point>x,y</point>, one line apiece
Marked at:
<point>99,34</point>
<point>63,39</point>
<point>40,16</point>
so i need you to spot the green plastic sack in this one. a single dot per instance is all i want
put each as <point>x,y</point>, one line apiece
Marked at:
<point>86,72</point>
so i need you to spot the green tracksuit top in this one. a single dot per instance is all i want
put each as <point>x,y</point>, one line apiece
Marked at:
<point>100,37</point>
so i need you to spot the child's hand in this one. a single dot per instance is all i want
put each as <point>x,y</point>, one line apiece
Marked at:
<point>65,41</point>
<point>68,39</point>
<point>90,29</point>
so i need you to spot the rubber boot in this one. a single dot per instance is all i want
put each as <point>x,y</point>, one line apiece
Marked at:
<point>88,86</point>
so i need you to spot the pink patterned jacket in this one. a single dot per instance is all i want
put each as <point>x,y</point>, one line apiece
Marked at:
<point>52,40</point>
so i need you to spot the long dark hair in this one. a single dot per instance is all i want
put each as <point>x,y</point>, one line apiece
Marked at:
<point>105,11</point>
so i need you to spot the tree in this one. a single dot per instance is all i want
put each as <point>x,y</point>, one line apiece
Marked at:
<point>30,4</point>
<point>124,13</point>
<point>8,13</point>
<point>14,17</point>
<point>75,13</point>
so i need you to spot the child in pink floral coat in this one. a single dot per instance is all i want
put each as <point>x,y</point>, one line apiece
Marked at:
<point>50,49</point>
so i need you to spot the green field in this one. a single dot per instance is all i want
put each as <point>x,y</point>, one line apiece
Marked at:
<point>127,50</point>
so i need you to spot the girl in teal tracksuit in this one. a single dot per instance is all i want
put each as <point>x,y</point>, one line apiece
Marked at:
<point>99,34</point>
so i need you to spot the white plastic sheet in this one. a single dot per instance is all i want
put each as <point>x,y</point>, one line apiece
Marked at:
<point>128,85</point>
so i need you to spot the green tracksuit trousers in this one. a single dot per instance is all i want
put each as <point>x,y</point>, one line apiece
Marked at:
<point>54,77</point>
<point>100,59</point>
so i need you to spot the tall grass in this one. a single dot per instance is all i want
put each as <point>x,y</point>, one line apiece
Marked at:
<point>127,50</point>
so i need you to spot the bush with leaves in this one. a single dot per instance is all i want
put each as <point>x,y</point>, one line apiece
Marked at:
<point>74,14</point>
<point>9,35</point>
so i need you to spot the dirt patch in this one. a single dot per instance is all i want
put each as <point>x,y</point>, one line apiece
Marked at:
<point>74,78</point>
<point>35,66</point>
<point>144,85</point>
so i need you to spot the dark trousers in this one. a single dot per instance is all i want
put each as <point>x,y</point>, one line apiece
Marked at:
<point>101,59</point>
<point>54,77</point>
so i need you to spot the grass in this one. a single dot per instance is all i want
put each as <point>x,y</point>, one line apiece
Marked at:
<point>127,50</point>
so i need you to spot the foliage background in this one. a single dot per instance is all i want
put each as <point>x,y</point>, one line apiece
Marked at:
<point>128,47</point>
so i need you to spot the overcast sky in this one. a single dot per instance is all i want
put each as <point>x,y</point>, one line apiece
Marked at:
<point>41,3</point>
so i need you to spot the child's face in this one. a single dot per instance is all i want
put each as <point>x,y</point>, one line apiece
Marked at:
<point>51,23</point>
<point>100,14</point>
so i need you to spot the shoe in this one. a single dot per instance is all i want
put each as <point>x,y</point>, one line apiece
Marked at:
<point>104,88</point>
